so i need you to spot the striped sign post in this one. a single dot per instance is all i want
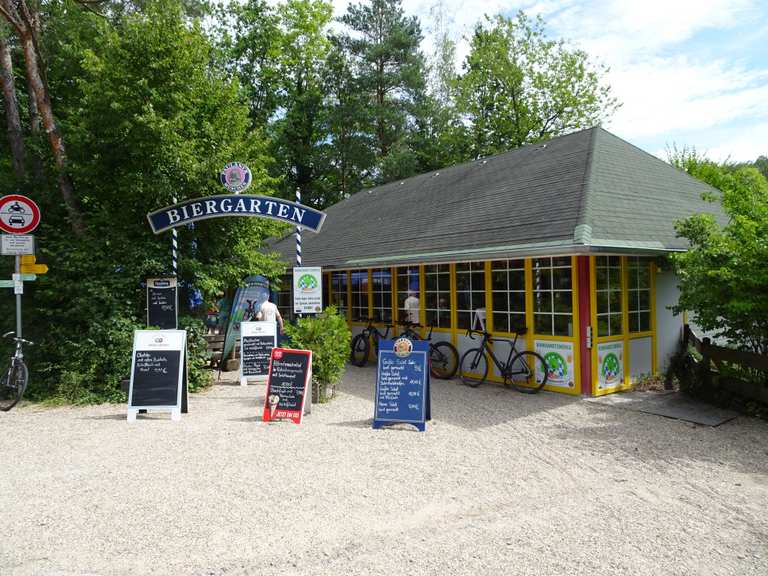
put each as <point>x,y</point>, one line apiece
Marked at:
<point>298,232</point>
<point>175,248</point>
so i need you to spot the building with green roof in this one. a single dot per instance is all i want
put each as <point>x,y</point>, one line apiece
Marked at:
<point>562,238</point>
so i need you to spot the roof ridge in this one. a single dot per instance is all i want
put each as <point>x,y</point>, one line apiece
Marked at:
<point>582,232</point>
<point>479,159</point>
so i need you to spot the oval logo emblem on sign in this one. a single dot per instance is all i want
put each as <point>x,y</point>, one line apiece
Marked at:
<point>403,347</point>
<point>18,214</point>
<point>235,177</point>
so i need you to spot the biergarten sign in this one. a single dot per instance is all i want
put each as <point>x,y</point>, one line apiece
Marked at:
<point>235,205</point>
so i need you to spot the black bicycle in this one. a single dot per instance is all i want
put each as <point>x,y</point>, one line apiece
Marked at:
<point>443,356</point>
<point>361,344</point>
<point>14,382</point>
<point>526,370</point>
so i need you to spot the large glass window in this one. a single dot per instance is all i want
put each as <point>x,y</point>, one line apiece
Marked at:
<point>437,293</point>
<point>408,304</point>
<point>470,294</point>
<point>359,285</point>
<point>553,296</point>
<point>381,293</point>
<point>339,292</point>
<point>508,286</point>
<point>639,294</point>
<point>285,297</point>
<point>608,289</point>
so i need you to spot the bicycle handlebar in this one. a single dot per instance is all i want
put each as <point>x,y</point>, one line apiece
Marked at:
<point>7,334</point>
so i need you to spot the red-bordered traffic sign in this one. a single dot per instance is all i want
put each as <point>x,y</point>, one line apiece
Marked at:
<point>18,214</point>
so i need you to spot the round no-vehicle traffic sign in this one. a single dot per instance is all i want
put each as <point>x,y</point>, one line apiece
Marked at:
<point>18,214</point>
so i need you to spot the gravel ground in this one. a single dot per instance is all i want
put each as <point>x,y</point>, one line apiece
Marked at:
<point>501,483</point>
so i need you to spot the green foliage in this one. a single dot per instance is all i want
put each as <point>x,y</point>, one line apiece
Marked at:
<point>328,336</point>
<point>382,45</point>
<point>197,353</point>
<point>724,274</point>
<point>146,117</point>
<point>519,87</point>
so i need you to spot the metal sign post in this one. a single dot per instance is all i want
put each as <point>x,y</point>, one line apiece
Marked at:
<point>19,290</point>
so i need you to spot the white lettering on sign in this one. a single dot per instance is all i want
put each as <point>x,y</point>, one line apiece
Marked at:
<point>226,205</point>
<point>270,205</point>
<point>197,209</point>
<point>240,207</point>
<point>210,206</point>
<point>282,211</point>
<point>298,214</point>
<point>256,206</point>
<point>173,216</point>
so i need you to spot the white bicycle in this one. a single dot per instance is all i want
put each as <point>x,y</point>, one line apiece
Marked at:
<point>14,381</point>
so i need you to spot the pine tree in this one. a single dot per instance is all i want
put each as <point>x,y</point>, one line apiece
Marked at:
<point>389,69</point>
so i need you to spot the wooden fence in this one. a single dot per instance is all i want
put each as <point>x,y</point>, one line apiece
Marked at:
<point>717,359</point>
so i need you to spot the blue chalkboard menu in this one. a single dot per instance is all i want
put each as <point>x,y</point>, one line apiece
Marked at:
<point>402,383</point>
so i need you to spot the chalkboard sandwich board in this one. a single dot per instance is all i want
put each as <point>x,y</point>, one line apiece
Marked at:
<point>402,383</point>
<point>162,303</point>
<point>158,373</point>
<point>257,339</point>
<point>290,372</point>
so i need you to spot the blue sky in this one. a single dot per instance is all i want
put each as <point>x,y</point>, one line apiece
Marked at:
<point>688,72</point>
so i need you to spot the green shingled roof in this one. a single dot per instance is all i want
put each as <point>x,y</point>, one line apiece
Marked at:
<point>586,192</point>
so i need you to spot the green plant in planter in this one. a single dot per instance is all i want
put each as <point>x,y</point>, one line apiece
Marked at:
<point>328,336</point>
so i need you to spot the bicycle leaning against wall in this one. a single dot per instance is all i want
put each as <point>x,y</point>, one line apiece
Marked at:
<point>361,344</point>
<point>520,368</point>
<point>13,382</point>
<point>443,356</point>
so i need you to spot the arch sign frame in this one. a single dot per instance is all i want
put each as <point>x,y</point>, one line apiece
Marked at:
<point>223,205</point>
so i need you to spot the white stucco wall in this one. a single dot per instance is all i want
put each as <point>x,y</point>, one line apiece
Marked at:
<point>639,357</point>
<point>668,326</point>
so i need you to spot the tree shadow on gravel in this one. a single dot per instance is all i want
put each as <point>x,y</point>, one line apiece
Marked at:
<point>365,423</point>
<point>122,416</point>
<point>459,405</point>
<point>663,442</point>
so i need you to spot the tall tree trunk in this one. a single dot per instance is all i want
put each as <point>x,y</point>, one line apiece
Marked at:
<point>34,128</point>
<point>43,101</point>
<point>15,138</point>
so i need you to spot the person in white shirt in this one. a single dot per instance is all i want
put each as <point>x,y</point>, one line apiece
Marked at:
<point>411,306</point>
<point>269,313</point>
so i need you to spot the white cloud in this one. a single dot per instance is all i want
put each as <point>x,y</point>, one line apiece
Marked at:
<point>666,88</point>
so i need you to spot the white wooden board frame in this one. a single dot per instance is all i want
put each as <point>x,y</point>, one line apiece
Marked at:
<point>173,340</point>
<point>252,329</point>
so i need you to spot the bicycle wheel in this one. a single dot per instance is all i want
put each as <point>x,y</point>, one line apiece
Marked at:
<point>443,360</point>
<point>12,385</point>
<point>360,347</point>
<point>527,372</point>
<point>473,367</point>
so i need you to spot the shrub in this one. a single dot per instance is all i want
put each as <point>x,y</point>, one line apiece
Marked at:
<point>197,353</point>
<point>328,336</point>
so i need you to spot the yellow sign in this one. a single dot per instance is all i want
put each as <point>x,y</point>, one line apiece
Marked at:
<point>34,268</point>
<point>28,266</point>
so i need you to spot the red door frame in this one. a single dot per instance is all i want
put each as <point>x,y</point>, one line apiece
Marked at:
<point>585,315</point>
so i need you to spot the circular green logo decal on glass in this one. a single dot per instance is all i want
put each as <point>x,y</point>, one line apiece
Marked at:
<point>556,367</point>
<point>307,283</point>
<point>611,368</point>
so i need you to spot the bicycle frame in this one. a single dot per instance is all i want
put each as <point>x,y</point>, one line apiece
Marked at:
<point>485,345</point>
